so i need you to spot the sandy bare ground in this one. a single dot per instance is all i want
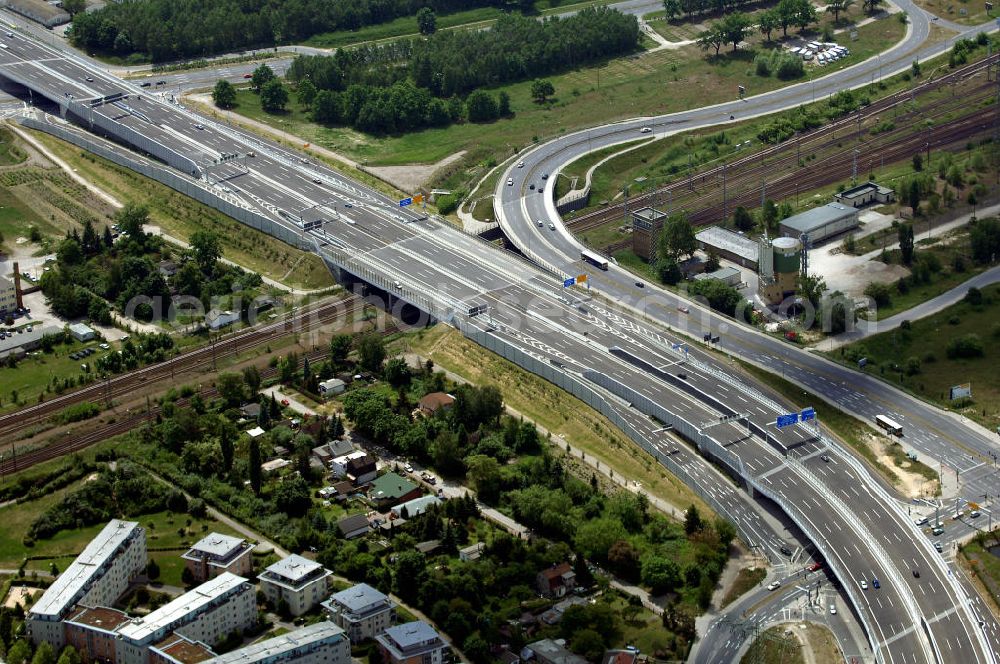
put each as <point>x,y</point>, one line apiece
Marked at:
<point>20,595</point>
<point>412,177</point>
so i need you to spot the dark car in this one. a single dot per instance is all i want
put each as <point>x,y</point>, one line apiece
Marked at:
<point>144,84</point>
<point>785,550</point>
<point>639,284</point>
<point>876,584</point>
<point>916,574</point>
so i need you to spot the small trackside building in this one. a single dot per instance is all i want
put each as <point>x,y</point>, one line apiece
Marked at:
<point>300,582</point>
<point>215,554</point>
<point>865,194</point>
<point>362,611</point>
<point>821,222</point>
<point>98,577</point>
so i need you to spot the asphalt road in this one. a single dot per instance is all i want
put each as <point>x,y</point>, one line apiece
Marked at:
<point>862,533</point>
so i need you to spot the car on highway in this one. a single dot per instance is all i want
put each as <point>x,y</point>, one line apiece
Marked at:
<point>826,458</point>
<point>520,164</point>
<point>916,574</point>
<point>540,223</point>
<point>90,79</point>
<point>683,309</point>
<point>875,583</point>
<point>317,181</point>
<point>646,130</point>
<point>545,176</point>
<point>774,585</point>
<point>833,609</point>
<point>552,227</point>
<point>682,376</point>
<point>161,82</point>
<point>10,34</point>
<point>247,75</point>
<point>510,182</point>
<point>639,284</point>
<point>199,127</point>
<point>785,550</point>
<point>531,186</point>
<point>144,84</point>
<point>864,584</point>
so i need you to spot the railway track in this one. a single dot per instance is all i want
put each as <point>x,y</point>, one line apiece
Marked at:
<point>757,171</point>
<point>14,460</point>
<point>226,346</point>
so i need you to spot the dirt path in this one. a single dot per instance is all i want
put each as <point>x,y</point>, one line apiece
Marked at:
<point>205,101</point>
<point>411,177</point>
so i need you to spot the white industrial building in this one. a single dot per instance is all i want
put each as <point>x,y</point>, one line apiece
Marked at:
<point>98,577</point>
<point>209,613</point>
<point>362,611</point>
<point>821,222</point>
<point>301,582</point>
<point>320,643</point>
<point>865,194</point>
<point>727,275</point>
<point>82,332</point>
<point>729,245</point>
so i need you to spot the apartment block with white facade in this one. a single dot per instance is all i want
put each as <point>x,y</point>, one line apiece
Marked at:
<point>98,577</point>
<point>362,611</point>
<point>210,612</point>
<point>320,643</point>
<point>215,553</point>
<point>412,643</point>
<point>300,582</point>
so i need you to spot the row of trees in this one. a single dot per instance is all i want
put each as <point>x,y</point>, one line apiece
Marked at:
<point>690,8</point>
<point>170,29</point>
<point>456,62</point>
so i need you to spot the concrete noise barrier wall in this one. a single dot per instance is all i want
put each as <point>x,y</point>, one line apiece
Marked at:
<point>176,182</point>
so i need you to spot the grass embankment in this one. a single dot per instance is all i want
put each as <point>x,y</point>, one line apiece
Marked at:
<point>773,646</point>
<point>746,579</point>
<point>923,346</point>
<point>645,84</point>
<point>406,26</point>
<point>981,557</point>
<point>847,428</point>
<point>555,410</point>
<point>974,12</point>
<point>180,216</point>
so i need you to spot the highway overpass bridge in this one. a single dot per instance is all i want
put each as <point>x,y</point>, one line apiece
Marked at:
<point>646,378</point>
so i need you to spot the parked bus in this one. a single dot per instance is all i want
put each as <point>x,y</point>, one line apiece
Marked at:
<point>594,259</point>
<point>888,425</point>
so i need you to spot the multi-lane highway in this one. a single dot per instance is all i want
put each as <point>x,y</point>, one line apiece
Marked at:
<point>638,370</point>
<point>964,449</point>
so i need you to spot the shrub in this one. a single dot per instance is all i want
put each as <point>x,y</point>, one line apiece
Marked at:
<point>965,346</point>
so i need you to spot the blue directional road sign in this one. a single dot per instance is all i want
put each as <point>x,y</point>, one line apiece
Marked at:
<point>808,414</point>
<point>404,202</point>
<point>787,420</point>
<point>569,282</point>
